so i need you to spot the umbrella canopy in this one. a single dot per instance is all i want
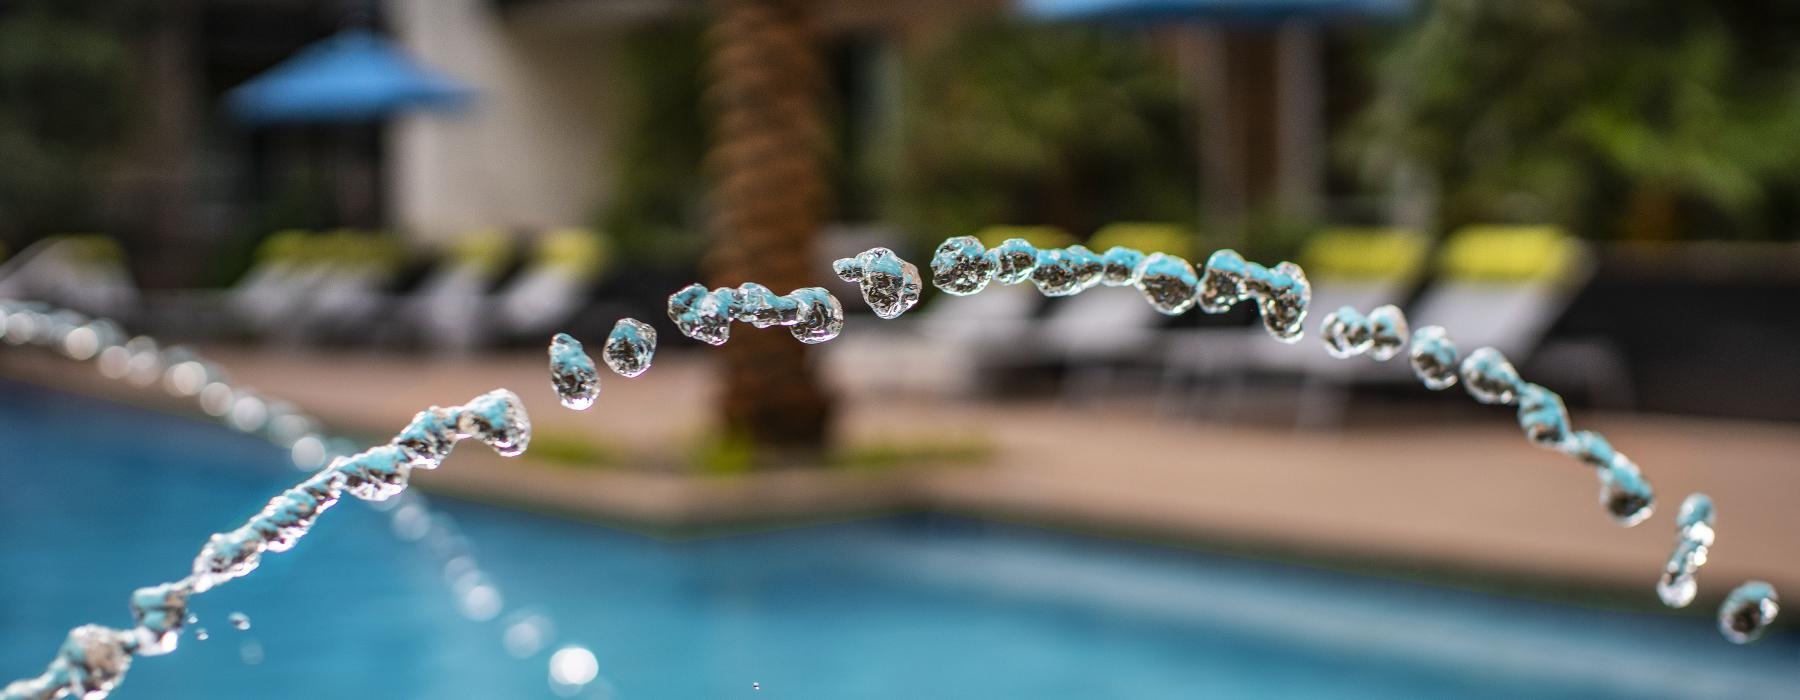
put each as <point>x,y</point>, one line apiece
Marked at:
<point>1212,10</point>
<point>353,76</point>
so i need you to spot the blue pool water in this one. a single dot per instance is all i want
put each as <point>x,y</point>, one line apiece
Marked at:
<point>96,499</point>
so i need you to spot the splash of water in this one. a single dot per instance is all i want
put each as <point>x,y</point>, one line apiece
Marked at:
<point>811,314</point>
<point>572,373</point>
<point>889,284</point>
<point>1381,334</point>
<point>1745,615</point>
<point>1693,536</point>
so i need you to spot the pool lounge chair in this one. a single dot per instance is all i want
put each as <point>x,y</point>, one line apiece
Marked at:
<point>86,273</point>
<point>1360,267</point>
<point>555,285</point>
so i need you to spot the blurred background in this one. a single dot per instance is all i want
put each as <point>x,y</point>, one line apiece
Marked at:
<point>361,208</point>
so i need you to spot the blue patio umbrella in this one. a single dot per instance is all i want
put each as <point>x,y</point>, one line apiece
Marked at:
<point>353,76</point>
<point>1211,10</point>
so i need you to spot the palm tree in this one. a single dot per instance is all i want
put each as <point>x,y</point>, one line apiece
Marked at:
<point>768,194</point>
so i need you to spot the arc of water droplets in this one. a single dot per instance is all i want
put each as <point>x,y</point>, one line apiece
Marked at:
<point>94,658</point>
<point>811,314</point>
<point>962,266</point>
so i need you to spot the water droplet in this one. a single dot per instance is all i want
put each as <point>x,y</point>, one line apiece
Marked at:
<point>702,315</point>
<point>1061,272</point>
<point>1695,519</point>
<point>1282,295</point>
<point>1543,416</point>
<point>1054,273</point>
<point>480,602</point>
<point>1434,358</point>
<point>572,668</point>
<point>756,686</point>
<point>1387,325</point>
<point>239,621</point>
<point>308,452</point>
<point>1168,283</point>
<point>92,660</point>
<point>962,266</point>
<point>572,373</point>
<point>158,613</point>
<point>821,316</point>
<point>759,306</point>
<point>376,474</point>
<point>1222,283</point>
<point>251,652</point>
<point>1489,377</point>
<point>248,412</point>
<point>1014,260</point>
<point>1677,586</point>
<point>1746,613</point>
<point>497,419</point>
<point>1624,492</point>
<point>630,347</point>
<point>1693,536</point>
<point>526,634</point>
<point>1346,333</point>
<point>889,284</point>
<point>1120,266</point>
<point>216,399</point>
<point>200,634</point>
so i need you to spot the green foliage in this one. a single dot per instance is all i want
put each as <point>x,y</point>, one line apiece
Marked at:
<point>1036,124</point>
<point>655,214</point>
<point>66,71</point>
<point>1602,115</point>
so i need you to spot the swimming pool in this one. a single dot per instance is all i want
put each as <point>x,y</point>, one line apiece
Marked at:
<point>97,499</point>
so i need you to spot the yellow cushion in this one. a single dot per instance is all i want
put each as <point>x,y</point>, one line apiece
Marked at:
<point>577,250</point>
<point>1040,236</point>
<point>1173,239</point>
<point>1515,253</point>
<point>486,250</point>
<point>91,248</point>
<point>1364,254</point>
<point>289,246</point>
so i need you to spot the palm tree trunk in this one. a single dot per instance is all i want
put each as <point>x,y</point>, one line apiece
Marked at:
<point>768,195</point>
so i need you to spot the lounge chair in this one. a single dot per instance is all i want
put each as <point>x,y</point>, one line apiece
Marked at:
<point>565,266</point>
<point>86,273</point>
<point>446,313</point>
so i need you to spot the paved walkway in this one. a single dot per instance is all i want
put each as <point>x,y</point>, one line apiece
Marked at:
<point>1449,494</point>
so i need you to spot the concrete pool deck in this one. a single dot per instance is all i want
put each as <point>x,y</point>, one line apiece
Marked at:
<point>1429,494</point>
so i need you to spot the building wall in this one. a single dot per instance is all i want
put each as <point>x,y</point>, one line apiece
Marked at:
<point>531,150</point>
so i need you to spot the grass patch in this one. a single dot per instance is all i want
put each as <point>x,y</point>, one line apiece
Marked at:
<point>890,454</point>
<point>572,450</point>
<point>722,454</point>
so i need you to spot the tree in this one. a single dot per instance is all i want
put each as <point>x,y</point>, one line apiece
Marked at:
<point>768,194</point>
<point>65,103</point>
<point>1596,114</point>
<point>1073,126</point>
